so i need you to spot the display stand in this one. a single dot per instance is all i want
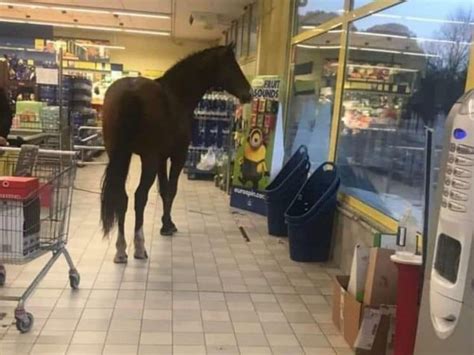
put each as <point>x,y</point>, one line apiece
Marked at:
<point>211,128</point>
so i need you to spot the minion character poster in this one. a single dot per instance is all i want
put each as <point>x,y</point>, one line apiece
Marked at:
<point>254,142</point>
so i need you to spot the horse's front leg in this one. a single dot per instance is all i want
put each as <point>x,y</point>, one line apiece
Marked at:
<point>169,193</point>
<point>149,169</point>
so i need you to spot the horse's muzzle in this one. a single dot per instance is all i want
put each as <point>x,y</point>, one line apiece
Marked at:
<point>245,98</point>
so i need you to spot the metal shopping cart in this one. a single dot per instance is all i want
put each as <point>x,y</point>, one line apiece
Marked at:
<point>34,215</point>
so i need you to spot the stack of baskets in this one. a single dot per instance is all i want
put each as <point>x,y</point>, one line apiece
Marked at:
<point>303,208</point>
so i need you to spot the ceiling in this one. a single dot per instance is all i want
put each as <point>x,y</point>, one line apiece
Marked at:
<point>211,17</point>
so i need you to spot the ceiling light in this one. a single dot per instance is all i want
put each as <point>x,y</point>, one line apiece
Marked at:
<point>89,27</point>
<point>378,50</point>
<point>147,32</point>
<point>93,10</point>
<point>139,14</point>
<point>107,46</point>
<point>29,6</point>
<point>99,28</point>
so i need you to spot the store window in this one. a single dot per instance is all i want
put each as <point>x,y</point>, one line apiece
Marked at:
<point>404,72</point>
<point>312,13</point>
<point>253,30</point>
<point>312,97</point>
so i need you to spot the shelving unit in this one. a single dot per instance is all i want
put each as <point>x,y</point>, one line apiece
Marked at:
<point>211,128</point>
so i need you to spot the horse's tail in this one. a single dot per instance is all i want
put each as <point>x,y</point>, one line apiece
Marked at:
<point>115,176</point>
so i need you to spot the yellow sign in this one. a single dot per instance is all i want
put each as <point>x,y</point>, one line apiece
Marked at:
<point>39,44</point>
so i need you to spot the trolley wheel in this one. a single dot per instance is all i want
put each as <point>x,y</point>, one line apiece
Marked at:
<point>24,323</point>
<point>3,275</point>
<point>74,280</point>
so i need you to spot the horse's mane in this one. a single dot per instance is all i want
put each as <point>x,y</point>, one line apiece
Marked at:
<point>187,61</point>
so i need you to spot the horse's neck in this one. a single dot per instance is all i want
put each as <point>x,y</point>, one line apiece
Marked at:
<point>188,88</point>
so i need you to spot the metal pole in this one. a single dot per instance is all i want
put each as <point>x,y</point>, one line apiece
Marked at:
<point>427,192</point>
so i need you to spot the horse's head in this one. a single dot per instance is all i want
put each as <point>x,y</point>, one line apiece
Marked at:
<point>229,76</point>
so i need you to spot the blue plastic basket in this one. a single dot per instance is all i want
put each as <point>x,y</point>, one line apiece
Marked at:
<point>283,189</point>
<point>311,214</point>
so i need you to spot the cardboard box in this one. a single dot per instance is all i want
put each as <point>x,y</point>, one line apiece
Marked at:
<point>346,310</point>
<point>374,337</point>
<point>382,277</point>
<point>339,289</point>
<point>19,229</point>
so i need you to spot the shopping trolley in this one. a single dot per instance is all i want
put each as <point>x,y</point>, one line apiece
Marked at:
<point>35,210</point>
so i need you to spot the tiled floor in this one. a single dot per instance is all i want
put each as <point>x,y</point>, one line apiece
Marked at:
<point>205,290</point>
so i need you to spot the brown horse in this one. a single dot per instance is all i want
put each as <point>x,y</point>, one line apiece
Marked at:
<point>152,118</point>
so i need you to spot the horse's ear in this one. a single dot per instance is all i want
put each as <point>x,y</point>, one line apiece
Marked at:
<point>231,46</point>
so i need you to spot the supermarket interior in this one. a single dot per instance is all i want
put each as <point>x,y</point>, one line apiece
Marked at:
<point>237,177</point>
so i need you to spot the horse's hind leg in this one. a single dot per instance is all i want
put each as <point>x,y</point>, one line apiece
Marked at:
<point>121,245</point>
<point>168,227</point>
<point>147,178</point>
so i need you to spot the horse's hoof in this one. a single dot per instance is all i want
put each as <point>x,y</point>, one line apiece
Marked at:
<point>168,230</point>
<point>121,259</point>
<point>141,255</point>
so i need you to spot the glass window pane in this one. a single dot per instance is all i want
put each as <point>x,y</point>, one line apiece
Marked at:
<point>312,96</point>
<point>404,72</point>
<point>311,13</point>
<point>253,30</point>
<point>245,34</point>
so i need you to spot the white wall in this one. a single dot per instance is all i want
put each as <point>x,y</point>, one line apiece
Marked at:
<point>141,52</point>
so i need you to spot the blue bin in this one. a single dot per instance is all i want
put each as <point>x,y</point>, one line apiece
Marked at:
<point>311,214</point>
<point>283,189</point>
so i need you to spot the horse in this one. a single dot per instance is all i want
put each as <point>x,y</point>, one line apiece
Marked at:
<point>153,119</point>
<point>6,116</point>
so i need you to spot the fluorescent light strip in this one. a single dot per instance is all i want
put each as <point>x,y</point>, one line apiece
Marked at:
<point>109,29</point>
<point>94,28</point>
<point>92,10</point>
<point>376,50</point>
<point>89,11</point>
<point>99,46</point>
<point>29,6</point>
<point>375,34</point>
<point>421,39</point>
<point>422,19</point>
<point>417,54</point>
<point>138,14</point>
<point>146,32</point>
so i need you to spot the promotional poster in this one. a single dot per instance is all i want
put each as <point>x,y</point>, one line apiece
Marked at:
<point>254,144</point>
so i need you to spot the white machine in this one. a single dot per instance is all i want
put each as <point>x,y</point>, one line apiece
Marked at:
<point>446,322</point>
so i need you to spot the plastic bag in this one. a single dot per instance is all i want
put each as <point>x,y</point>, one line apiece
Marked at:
<point>208,161</point>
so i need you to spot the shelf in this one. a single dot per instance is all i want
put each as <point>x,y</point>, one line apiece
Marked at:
<point>370,81</point>
<point>88,70</point>
<point>394,69</point>
<point>377,92</point>
<point>211,116</point>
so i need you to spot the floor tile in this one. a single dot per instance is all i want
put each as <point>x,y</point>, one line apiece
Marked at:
<point>204,291</point>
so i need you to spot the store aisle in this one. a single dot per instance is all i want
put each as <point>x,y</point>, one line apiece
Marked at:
<point>205,290</point>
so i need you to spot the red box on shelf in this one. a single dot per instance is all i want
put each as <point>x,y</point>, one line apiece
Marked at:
<point>17,187</point>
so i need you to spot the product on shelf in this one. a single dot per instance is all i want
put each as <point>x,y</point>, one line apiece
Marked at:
<point>28,114</point>
<point>210,131</point>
